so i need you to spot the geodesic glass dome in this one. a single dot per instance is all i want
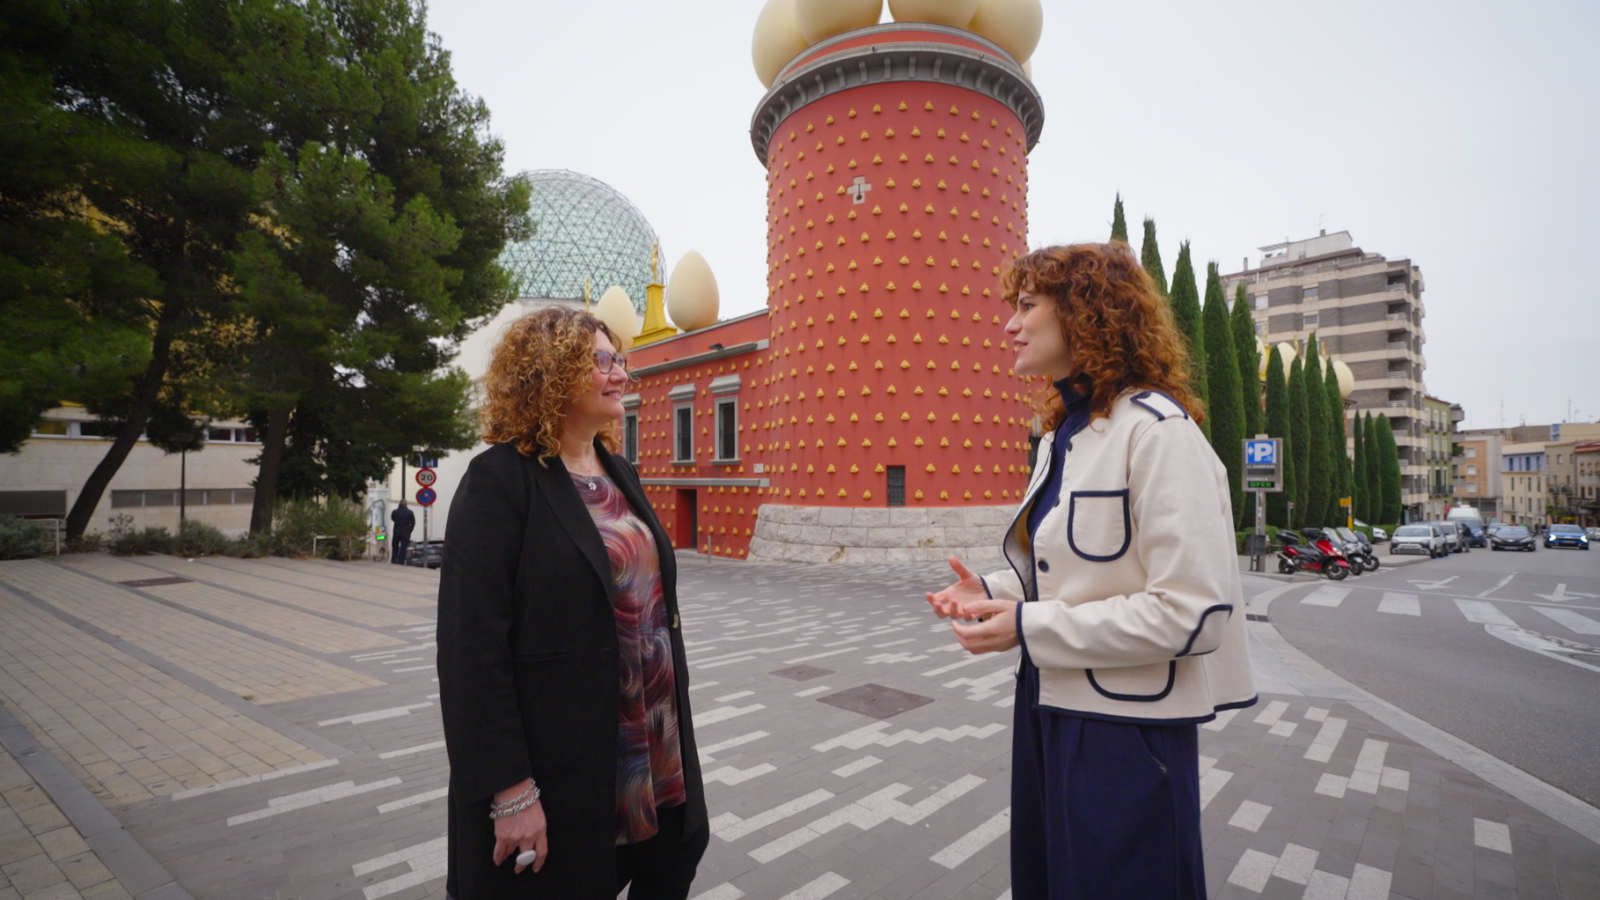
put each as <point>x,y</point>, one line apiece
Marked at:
<point>584,228</point>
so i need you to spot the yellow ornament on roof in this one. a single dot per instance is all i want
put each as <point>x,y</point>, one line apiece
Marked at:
<point>1013,24</point>
<point>955,13</point>
<point>777,39</point>
<point>822,19</point>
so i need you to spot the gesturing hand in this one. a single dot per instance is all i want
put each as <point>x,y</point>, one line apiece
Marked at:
<point>996,630</point>
<point>953,601</point>
<point>523,831</point>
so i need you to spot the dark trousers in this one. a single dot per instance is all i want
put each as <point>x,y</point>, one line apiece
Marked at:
<point>661,867</point>
<point>1102,810</point>
<point>398,550</point>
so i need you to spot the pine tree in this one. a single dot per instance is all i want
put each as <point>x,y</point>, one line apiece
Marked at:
<point>1339,471</point>
<point>1358,475</point>
<point>1300,438</point>
<point>1226,410</point>
<point>1244,347</point>
<point>1150,257</point>
<point>1318,456</point>
<point>1277,425</point>
<point>1119,225</point>
<point>1186,309</point>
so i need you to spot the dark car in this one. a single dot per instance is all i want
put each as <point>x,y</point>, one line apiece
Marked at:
<point>1512,537</point>
<point>427,554</point>
<point>1465,532</point>
<point>1565,536</point>
<point>1479,537</point>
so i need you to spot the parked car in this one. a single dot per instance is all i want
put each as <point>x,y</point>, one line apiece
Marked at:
<point>1476,535</point>
<point>1565,536</point>
<point>427,554</point>
<point>1418,537</point>
<point>1464,531</point>
<point>1592,533</point>
<point>1378,534</point>
<point>1512,537</point>
<point>1452,536</point>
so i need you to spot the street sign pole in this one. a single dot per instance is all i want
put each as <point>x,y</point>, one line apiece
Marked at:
<point>1263,472</point>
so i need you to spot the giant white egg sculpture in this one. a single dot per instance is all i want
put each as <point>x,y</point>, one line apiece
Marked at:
<point>1347,378</point>
<point>776,41</point>
<point>1287,353</point>
<point>616,310</point>
<point>1013,24</point>
<point>955,13</point>
<point>822,19</point>
<point>692,298</point>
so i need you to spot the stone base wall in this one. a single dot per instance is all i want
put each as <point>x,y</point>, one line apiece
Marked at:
<point>816,534</point>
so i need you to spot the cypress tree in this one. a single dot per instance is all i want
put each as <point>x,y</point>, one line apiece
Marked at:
<point>1244,347</point>
<point>1186,309</point>
<point>1319,458</point>
<point>1226,410</point>
<point>1277,425</point>
<point>1358,475</point>
<point>1119,225</point>
<point>1150,257</point>
<point>1339,472</point>
<point>1300,439</point>
<point>1375,472</point>
<point>1394,500</point>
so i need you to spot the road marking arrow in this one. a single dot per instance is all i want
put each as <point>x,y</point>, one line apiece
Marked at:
<point>1423,585</point>
<point>1562,595</point>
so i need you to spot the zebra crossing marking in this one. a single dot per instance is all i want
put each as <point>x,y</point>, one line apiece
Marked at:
<point>1400,604</point>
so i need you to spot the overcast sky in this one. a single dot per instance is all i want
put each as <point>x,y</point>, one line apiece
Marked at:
<point>1463,135</point>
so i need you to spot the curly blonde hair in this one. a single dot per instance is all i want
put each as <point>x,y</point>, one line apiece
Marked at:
<point>543,361</point>
<point>1121,330</point>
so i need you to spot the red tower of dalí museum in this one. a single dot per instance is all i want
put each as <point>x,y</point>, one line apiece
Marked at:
<point>879,417</point>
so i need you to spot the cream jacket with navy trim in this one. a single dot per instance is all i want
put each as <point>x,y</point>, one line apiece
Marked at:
<point>1135,608</point>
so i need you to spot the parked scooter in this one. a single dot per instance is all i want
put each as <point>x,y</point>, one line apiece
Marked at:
<point>1350,549</point>
<point>1302,555</point>
<point>1356,543</point>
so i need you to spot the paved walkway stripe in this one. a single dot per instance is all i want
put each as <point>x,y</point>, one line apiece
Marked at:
<point>1250,815</point>
<point>808,692</point>
<point>1321,749</point>
<point>1578,622</point>
<point>730,827</point>
<point>414,800</point>
<point>427,865</point>
<point>821,887</point>
<point>1253,870</point>
<point>420,748</point>
<point>731,775</point>
<point>724,713</point>
<point>1399,604</point>
<point>978,838</point>
<point>255,779</point>
<point>730,743</point>
<point>1326,596</point>
<point>723,891</point>
<point>279,805</point>
<point>1491,835</point>
<point>860,765</point>
<point>373,716</point>
<point>1484,613</point>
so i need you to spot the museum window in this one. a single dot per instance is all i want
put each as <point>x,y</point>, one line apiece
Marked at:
<point>727,430</point>
<point>897,486</point>
<point>630,437</point>
<point>683,434</point>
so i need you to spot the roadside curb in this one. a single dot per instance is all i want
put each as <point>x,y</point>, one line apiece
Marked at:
<point>1311,678</point>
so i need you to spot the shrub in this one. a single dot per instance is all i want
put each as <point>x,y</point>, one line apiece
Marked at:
<point>200,539</point>
<point>23,538</point>
<point>142,541</point>
<point>297,524</point>
<point>1241,536</point>
<point>88,542</point>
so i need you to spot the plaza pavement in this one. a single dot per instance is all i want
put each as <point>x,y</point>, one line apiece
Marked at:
<point>221,728</point>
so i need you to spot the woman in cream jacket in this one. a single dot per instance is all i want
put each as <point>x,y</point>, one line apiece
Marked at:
<point>1123,590</point>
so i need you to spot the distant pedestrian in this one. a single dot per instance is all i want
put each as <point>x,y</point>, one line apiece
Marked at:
<point>1123,590</point>
<point>562,678</point>
<point>405,522</point>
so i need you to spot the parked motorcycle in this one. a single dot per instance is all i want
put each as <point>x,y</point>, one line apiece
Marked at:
<point>1357,543</point>
<point>1300,554</point>
<point>1348,547</point>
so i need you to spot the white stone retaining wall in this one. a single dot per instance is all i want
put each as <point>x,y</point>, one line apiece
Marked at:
<point>817,534</point>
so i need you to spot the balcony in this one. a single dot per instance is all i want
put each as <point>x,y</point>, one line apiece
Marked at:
<point>1398,316</point>
<point>1397,376</point>
<point>1397,345</point>
<point>1399,404</point>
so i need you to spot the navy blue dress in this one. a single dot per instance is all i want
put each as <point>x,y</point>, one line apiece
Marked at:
<point>1102,808</point>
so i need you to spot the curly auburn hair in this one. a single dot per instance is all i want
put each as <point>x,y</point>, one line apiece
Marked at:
<point>1119,328</point>
<point>543,361</point>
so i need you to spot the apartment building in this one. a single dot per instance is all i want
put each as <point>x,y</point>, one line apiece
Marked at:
<point>1586,496</point>
<point>1522,473</point>
<point>1477,472</point>
<point>1367,311</point>
<point>1439,453</point>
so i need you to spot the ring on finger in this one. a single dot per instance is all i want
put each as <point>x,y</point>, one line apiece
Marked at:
<point>526,857</point>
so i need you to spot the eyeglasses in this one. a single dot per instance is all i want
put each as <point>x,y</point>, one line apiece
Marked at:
<point>605,360</point>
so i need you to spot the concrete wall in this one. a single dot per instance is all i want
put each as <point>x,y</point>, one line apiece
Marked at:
<point>855,534</point>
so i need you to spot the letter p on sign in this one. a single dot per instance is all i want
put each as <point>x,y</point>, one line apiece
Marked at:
<point>1260,453</point>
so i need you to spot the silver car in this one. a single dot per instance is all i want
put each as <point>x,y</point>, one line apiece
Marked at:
<point>1419,537</point>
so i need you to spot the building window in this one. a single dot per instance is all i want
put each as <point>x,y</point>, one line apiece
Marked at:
<point>1260,301</point>
<point>1309,295</point>
<point>1472,470</point>
<point>1472,488</point>
<point>192,497</point>
<point>1470,452</point>
<point>630,437</point>
<point>727,430</point>
<point>897,486</point>
<point>1311,320</point>
<point>683,434</point>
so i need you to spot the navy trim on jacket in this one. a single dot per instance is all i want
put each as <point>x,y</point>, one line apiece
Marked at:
<point>1142,396</point>
<point>1201,627</point>
<point>1172,678</point>
<point>1127,523</point>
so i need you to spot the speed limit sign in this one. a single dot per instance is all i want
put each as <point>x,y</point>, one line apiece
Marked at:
<point>426,477</point>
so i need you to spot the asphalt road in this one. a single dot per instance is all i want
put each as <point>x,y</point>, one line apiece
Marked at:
<point>1500,649</point>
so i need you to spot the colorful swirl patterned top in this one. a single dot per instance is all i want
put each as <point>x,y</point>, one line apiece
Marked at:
<point>649,765</point>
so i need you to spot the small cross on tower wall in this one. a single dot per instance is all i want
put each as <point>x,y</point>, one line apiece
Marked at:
<point>858,189</point>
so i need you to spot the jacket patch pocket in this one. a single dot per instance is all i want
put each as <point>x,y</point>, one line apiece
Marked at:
<point>1135,684</point>
<point>1099,527</point>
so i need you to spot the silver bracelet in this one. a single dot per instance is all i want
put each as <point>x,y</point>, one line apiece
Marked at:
<point>511,808</point>
<point>517,799</point>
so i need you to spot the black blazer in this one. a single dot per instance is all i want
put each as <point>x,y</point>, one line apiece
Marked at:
<point>528,672</point>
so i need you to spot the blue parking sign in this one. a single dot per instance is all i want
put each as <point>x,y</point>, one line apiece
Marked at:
<point>1261,453</point>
